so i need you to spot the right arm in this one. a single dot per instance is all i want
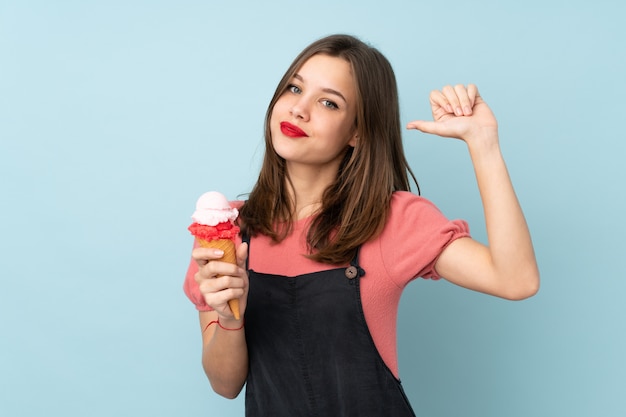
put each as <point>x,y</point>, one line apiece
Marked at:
<point>224,352</point>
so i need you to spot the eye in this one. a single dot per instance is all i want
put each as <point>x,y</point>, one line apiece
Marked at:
<point>294,89</point>
<point>330,104</point>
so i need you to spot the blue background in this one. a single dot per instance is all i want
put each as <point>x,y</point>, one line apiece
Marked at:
<point>116,115</point>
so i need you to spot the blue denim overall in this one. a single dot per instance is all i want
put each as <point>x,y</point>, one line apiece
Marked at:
<point>310,351</point>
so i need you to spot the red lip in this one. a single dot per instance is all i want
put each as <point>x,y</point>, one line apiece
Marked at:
<point>292,131</point>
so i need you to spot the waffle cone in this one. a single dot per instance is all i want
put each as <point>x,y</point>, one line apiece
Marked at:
<point>230,256</point>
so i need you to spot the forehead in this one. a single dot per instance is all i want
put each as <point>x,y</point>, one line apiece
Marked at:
<point>327,71</point>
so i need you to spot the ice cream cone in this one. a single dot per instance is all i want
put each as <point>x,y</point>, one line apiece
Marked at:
<point>230,256</point>
<point>214,227</point>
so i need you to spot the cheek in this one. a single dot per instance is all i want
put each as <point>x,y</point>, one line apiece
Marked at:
<point>275,120</point>
<point>281,106</point>
<point>278,114</point>
<point>346,129</point>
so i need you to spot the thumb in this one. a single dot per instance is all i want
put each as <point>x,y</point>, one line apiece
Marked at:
<point>242,255</point>
<point>425,126</point>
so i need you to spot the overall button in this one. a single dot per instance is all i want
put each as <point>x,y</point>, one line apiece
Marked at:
<point>351,272</point>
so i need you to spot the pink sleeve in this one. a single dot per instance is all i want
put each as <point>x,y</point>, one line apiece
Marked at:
<point>414,237</point>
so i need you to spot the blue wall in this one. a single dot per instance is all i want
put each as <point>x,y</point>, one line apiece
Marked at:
<point>111,111</point>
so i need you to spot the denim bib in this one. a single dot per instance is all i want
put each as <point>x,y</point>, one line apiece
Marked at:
<point>310,350</point>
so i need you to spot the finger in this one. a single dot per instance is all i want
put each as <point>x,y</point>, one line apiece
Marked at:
<point>472,92</point>
<point>217,292</point>
<point>204,273</point>
<point>219,268</point>
<point>439,100</point>
<point>222,283</point>
<point>215,269</point>
<point>465,104</point>
<point>453,98</point>
<point>202,256</point>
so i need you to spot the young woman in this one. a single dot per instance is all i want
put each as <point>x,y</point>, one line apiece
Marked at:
<point>332,234</point>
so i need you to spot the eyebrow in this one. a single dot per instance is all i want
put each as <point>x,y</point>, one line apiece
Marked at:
<point>326,90</point>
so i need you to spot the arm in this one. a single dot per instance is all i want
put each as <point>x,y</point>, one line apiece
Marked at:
<point>506,267</point>
<point>224,352</point>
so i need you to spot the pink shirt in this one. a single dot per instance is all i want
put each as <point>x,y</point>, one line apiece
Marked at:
<point>408,247</point>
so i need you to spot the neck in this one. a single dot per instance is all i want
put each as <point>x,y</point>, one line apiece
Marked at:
<point>307,188</point>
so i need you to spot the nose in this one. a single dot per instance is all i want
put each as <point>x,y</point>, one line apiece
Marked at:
<point>300,109</point>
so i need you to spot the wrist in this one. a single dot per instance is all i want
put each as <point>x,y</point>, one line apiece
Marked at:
<point>225,324</point>
<point>230,323</point>
<point>486,143</point>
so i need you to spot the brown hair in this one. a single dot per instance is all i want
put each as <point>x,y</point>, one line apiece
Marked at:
<point>356,205</point>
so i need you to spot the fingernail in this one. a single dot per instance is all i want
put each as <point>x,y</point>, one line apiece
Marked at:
<point>467,110</point>
<point>458,111</point>
<point>218,252</point>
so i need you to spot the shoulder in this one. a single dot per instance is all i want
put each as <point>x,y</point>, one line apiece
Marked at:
<point>406,203</point>
<point>238,204</point>
<point>414,235</point>
<point>413,215</point>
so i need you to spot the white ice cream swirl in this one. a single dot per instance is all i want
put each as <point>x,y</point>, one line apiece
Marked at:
<point>213,208</point>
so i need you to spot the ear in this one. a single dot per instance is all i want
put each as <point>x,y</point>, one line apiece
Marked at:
<point>353,140</point>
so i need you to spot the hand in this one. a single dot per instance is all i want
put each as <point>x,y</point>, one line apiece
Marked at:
<point>222,281</point>
<point>459,112</point>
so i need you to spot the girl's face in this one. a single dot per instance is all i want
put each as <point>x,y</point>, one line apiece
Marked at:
<point>314,121</point>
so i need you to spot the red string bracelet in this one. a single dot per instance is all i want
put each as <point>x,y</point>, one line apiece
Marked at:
<point>220,324</point>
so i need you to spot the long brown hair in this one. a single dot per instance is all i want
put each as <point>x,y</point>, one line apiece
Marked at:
<point>356,205</point>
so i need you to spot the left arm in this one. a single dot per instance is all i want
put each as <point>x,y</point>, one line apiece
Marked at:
<point>506,267</point>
